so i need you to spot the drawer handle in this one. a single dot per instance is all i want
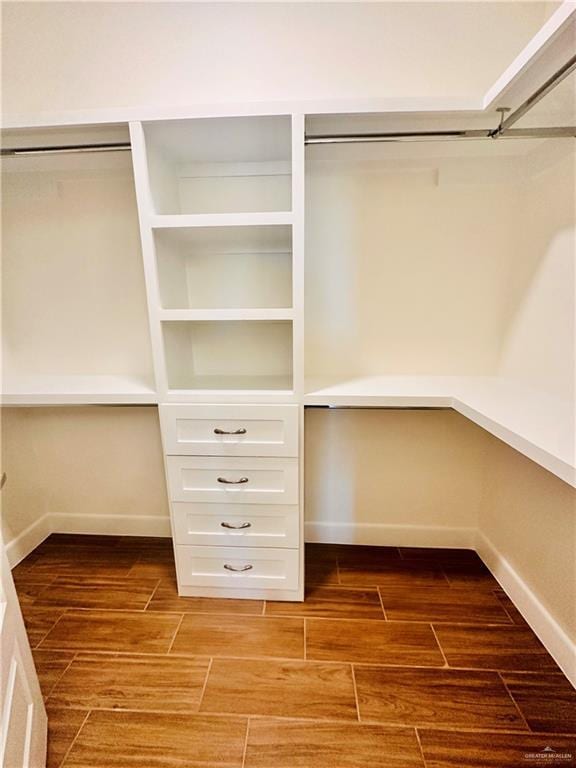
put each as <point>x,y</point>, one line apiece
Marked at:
<point>240,431</point>
<point>233,482</point>
<point>238,570</point>
<point>236,527</point>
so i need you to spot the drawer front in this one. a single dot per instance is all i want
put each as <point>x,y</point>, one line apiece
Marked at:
<point>243,481</point>
<point>237,567</point>
<point>230,430</point>
<point>236,525</point>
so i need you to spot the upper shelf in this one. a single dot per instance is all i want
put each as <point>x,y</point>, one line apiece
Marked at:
<point>76,390</point>
<point>536,424</point>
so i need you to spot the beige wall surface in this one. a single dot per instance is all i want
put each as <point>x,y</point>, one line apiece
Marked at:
<point>393,467</point>
<point>99,55</point>
<point>529,516</point>
<point>81,461</point>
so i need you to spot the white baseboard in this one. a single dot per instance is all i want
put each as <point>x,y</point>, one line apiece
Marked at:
<point>382,535</point>
<point>113,525</point>
<point>551,635</point>
<point>21,546</point>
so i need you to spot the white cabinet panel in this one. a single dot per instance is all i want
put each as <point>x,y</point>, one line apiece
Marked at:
<point>241,480</point>
<point>236,525</point>
<point>230,430</point>
<point>237,568</point>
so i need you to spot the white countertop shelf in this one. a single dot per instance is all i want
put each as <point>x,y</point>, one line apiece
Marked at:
<point>535,423</point>
<point>76,390</point>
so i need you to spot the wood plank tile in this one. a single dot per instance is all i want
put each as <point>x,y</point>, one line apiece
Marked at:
<point>443,604</point>
<point>63,727</point>
<point>280,689</point>
<point>332,602</point>
<point>154,565</point>
<point>50,666</point>
<point>256,636</point>
<point>322,573</point>
<point>392,574</point>
<point>39,621</point>
<point>321,564</point>
<point>98,592</point>
<point>363,556</point>
<point>369,642</point>
<point>465,575</point>
<point>166,599</point>
<point>29,587</point>
<point>286,744</point>
<point>83,561</point>
<point>435,697</point>
<point>548,702</point>
<point>130,632</point>
<point>139,739</point>
<point>442,555</point>
<point>506,648</point>
<point>515,615</point>
<point>450,749</point>
<point>112,681</point>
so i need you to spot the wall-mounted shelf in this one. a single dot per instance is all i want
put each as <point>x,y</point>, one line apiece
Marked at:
<point>77,390</point>
<point>535,423</point>
<point>221,220</point>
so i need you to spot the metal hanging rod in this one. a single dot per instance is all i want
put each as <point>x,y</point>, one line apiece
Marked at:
<point>539,94</point>
<point>65,149</point>
<point>367,138</point>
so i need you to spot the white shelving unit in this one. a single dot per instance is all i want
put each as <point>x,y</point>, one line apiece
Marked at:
<point>221,218</point>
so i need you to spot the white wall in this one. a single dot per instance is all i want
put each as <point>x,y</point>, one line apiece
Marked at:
<point>89,55</point>
<point>539,341</point>
<point>73,298</point>
<point>529,517</point>
<point>93,469</point>
<point>404,477</point>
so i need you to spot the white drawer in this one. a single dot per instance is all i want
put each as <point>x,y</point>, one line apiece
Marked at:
<point>237,480</point>
<point>230,430</point>
<point>236,525</point>
<point>237,568</point>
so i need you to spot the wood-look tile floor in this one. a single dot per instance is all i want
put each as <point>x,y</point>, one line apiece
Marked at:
<point>398,658</point>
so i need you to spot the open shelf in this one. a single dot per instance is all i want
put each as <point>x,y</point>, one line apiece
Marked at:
<point>228,355</point>
<point>76,390</point>
<point>225,267</point>
<point>220,165</point>
<point>533,422</point>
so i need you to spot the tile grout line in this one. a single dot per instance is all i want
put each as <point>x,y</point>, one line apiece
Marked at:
<point>174,636</point>
<point>355,693</point>
<point>514,701</point>
<point>63,761</point>
<point>72,660</point>
<point>246,743</point>
<point>420,747</point>
<point>382,603</point>
<point>439,646</point>
<point>152,595</point>
<point>203,691</point>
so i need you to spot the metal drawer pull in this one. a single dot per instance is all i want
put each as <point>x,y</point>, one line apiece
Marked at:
<point>240,431</point>
<point>233,482</point>
<point>238,570</point>
<point>236,527</point>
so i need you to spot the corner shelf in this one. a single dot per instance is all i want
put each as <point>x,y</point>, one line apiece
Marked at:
<point>535,423</point>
